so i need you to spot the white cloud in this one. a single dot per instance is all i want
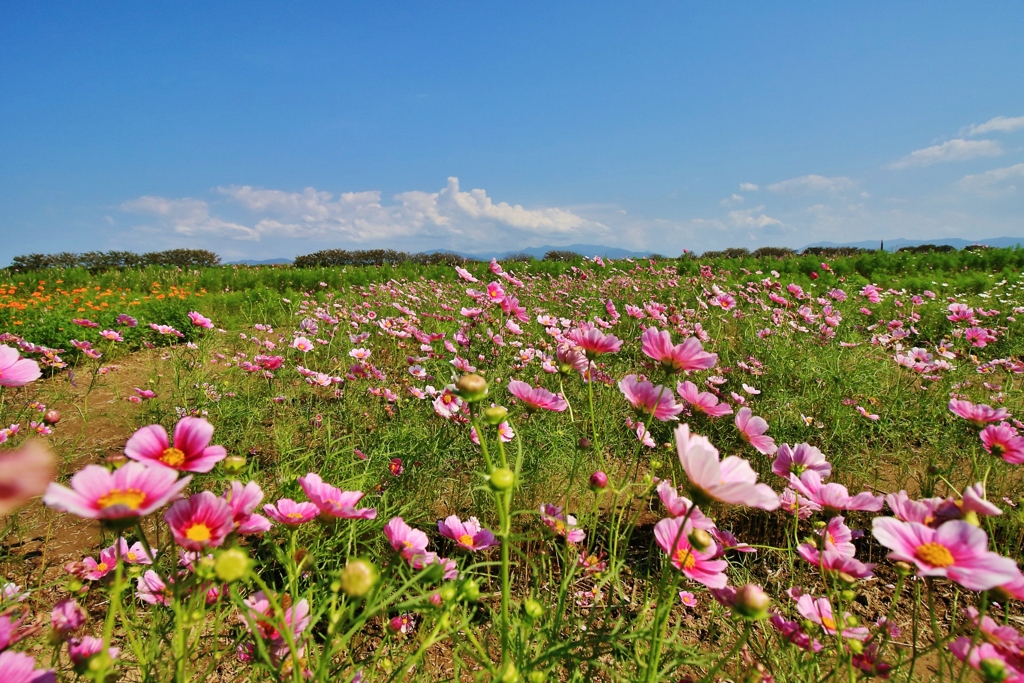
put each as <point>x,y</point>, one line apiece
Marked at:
<point>953,150</point>
<point>1000,124</point>
<point>458,218</point>
<point>748,219</point>
<point>730,201</point>
<point>188,216</point>
<point>748,187</point>
<point>989,179</point>
<point>813,183</point>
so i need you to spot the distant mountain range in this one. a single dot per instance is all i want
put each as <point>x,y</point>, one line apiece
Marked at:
<point>591,250</point>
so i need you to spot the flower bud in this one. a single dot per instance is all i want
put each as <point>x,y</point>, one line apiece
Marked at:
<point>509,674</point>
<point>752,602</point>
<point>495,414</point>
<point>51,417</point>
<point>656,464</point>
<point>231,565</point>
<point>205,568</point>
<point>903,567</point>
<point>847,580</point>
<point>700,539</point>
<point>992,670</point>
<point>584,444</point>
<point>598,481</point>
<point>502,479</point>
<point>856,647</point>
<point>533,609</point>
<point>357,578</point>
<point>471,388</point>
<point>537,676</point>
<point>852,621</point>
<point>471,590</point>
<point>233,464</point>
<point>447,592</point>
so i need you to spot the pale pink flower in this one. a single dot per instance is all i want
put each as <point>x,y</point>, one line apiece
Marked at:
<point>819,611</point>
<point>978,415</point>
<point>404,539</point>
<point>593,342</point>
<point>112,335</point>
<point>243,501</point>
<point>18,667</point>
<point>24,474</point>
<point>648,398</point>
<point>468,535</point>
<point>303,344</point>
<point>201,521</point>
<point>200,320</point>
<point>81,650</point>
<point>151,589</point>
<point>191,451</point>
<point>797,459</point>
<point>830,561</point>
<point>795,504</point>
<point>332,501</point>
<point>956,550</point>
<point>290,513</point>
<point>678,506</point>
<point>988,659</point>
<point>132,490</point>
<point>16,371</point>
<point>689,355</point>
<point>562,524</point>
<point>536,398</point>
<point>732,480</point>
<point>698,565</point>
<point>702,401</point>
<point>270,624</point>
<point>833,497</point>
<point>752,430</point>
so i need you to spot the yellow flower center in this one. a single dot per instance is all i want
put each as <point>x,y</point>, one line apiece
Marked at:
<point>685,558</point>
<point>102,567</point>
<point>829,623</point>
<point>466,539</point>
<point>294,515</point>
<point>172,457</point>
<point>130,498</point>
<point>131,557</point>
<point>198,532</point>
<point>934,554</point>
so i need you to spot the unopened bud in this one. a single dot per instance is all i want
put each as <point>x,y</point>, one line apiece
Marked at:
<point>51,417</point>
<point>852,621</point>
<point>206,567</point>
<point>846,579</point>
<point>992,670</point>
<point>537,676</point>
<point>502,479</point>
<point>903,567</point>
<point>848,595</point>
<point>471,388</point>
<point>584,443</point>
<point>447,592</point>
<point>115,460</point>
<point>357,578</point>
<point>471,590</point>
<point>231,565</point>
<point>495,414</point>
<point>533,609</point>
<point>598,481</point>
<point>752,602</point>
<point>856,647</point>
<point>656,464</point>
<point>700,539</point>
<point>233,464</point>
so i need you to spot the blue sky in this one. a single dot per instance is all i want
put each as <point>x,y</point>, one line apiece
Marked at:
<point>263,130</point>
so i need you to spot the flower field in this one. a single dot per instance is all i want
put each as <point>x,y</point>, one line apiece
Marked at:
<point>663,470</point>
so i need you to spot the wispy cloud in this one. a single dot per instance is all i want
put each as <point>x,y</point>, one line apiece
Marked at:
<point>813,183</point>
<point>188,216</point>
<point>752,218</point>
<point>991,179</point>
<point>1000,124</point>
<point>953,150</point>
<point>748,187</point>
<point>732,200</point>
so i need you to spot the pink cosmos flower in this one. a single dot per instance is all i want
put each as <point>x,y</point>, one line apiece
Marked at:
<point>1002,440</point>
<point>333,502</point>
<point>956,550</point>
<point>562,524</point>
<point>819,611</point>
<point>24,474</point>
<point>243,501</point>
<point>290,513</point>
<point>988,659</point>
<point>200,320</point>
<point>796,459</point>
<point>702,401</point>
<point>269,625</point>
<point>16,371</point>
<point>695,564</point>
<point>795,504</point>
<point>405,540</point>
<point>732,480</point>
<point>689,355</point>
<point>593,342</point>
<point>536,398</point>
<point>18,667</point>
<point>833,497</point>
<point>678,506</point>
<point>753,429</point>
<point>132,490</point>
<point>650,399</point>
<point>112,335</point>
<point>145,393</point>
<point>468,535</point>
<point>687,598</point>
<point>151,589</point>
<point>201,521</point>
<point>830,561</point>
<point>95,570</point>
<point>303,344</point>
<point>191,451</point>
<point>978,415</point>
<point>81,650</point>
<point>68,616</point>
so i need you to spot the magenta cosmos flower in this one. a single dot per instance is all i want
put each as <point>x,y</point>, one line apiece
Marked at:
<point>536,398</point>
<point>562,524</point>
<point>978,415</point>
<point>702,401</point>
<point>648,398</point>
<point>732,480</point>
<point>243,501</point>
<point>689,355</point>
<point>132,490</point>
<point>24,474</point>
<point>593,342</point>
<point>956,550</point>
<point>200,320</point>
<point>290,513</point>
<point>191,451</point>
<point>332,501</point>
<point>16,371</point>
<point>18,667</point>
<point>797,459</point>
<point>1002,440</point>
<point>833,497</point>
<point>468,535</point>
<point>409,542</point>
<point>819,611</point>
<point>695,564</point>
<point>679,506</point>
<point>753,429</point>
<point>201,521</point>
